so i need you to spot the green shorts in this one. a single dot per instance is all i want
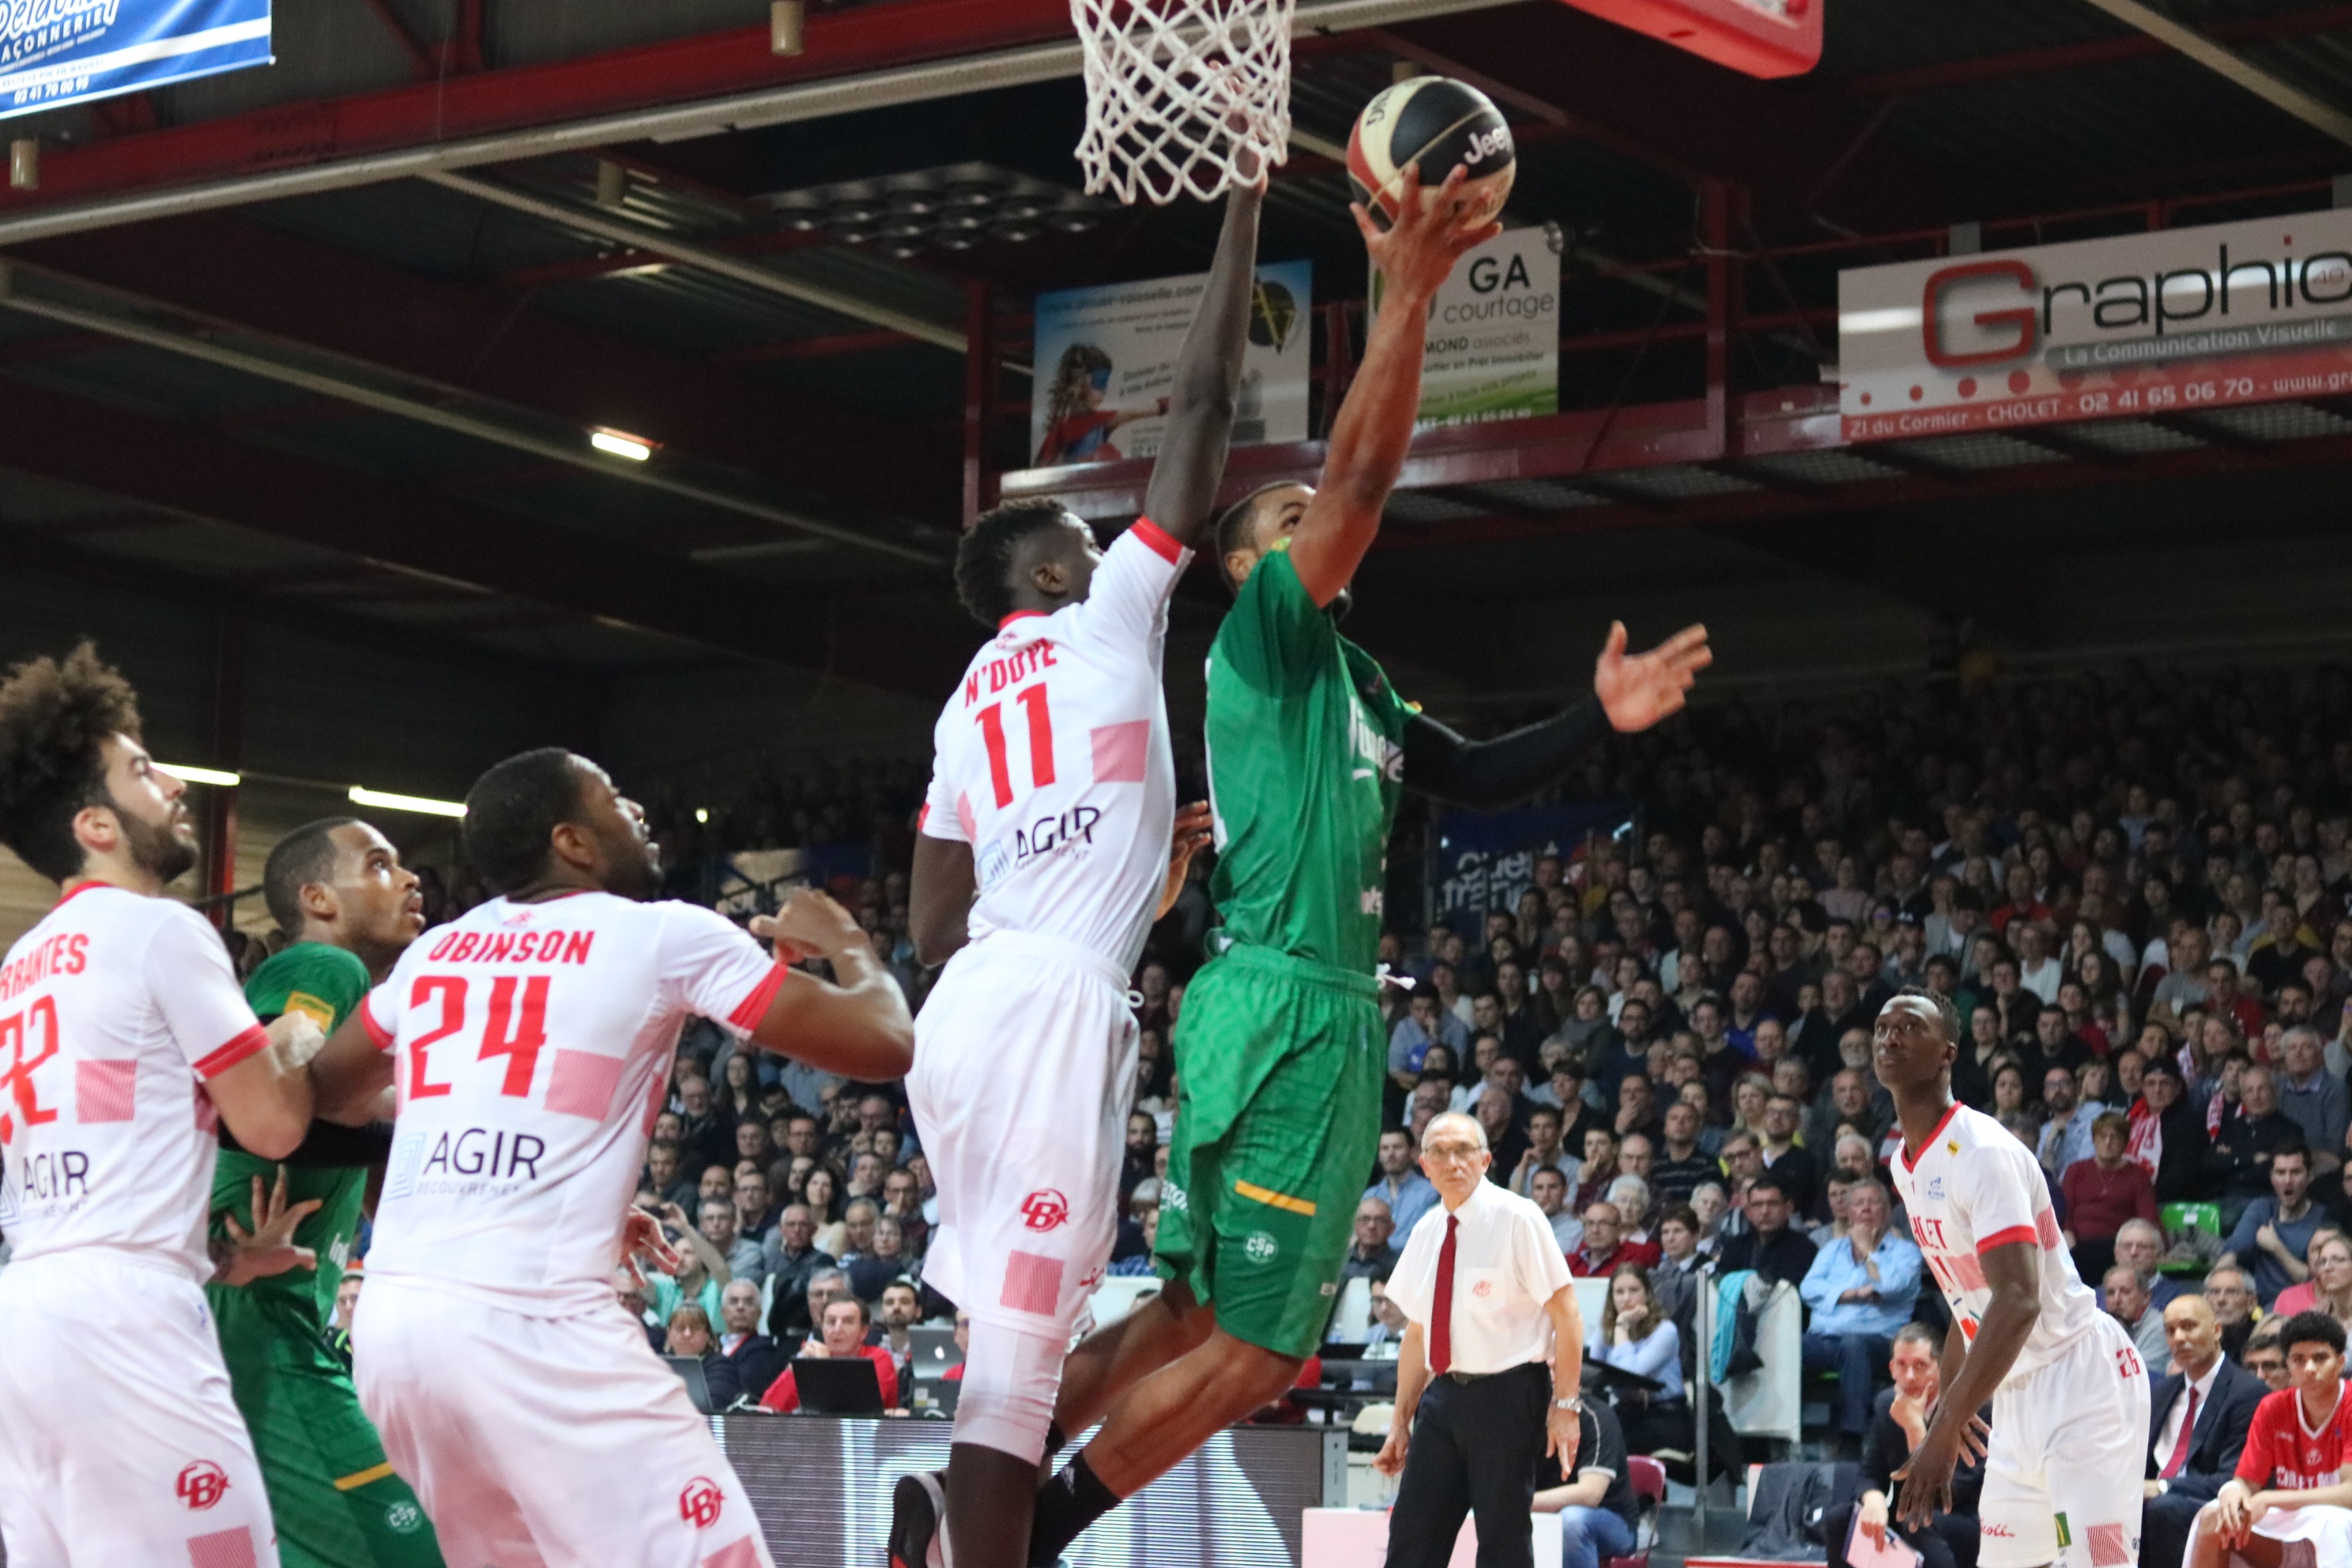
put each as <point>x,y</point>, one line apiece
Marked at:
<point>1279,1067</point>
<point>333,1495</point>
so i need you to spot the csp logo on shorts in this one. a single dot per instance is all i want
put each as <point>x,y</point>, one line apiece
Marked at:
<point>1044,1209</point>
<point>1259,1247</point>
<point>700,1503</point>
<point>202,1485</point>
<point>404,1518</point>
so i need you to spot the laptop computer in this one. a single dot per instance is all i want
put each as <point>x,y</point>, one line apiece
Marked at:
<point>829,1387</point>
<point>936,1397</point>
<point>698,1387</point>
<point>932,1353</point>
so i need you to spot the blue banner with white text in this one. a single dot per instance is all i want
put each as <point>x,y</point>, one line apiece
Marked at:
<point>72,51</point>
<point>1485,860</point>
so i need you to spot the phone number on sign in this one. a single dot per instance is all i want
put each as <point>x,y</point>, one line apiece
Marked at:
<point>2189,394</point>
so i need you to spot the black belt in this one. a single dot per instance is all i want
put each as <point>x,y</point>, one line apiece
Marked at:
<point>1466,1377</point>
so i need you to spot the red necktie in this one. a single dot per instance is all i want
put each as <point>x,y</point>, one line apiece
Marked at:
<point>2180,1450</point>
<point>1441,1315</point>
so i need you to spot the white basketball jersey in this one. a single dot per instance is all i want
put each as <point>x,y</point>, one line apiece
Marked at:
<point>532,1045</point>
<point>1975,1187</point>
<point>113,1011</point>
<point>1053,761</point>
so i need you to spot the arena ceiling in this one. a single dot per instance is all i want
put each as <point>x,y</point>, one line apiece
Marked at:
<point>322,342</point>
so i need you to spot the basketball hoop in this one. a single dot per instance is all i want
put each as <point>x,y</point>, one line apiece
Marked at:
<point>1184,97</point>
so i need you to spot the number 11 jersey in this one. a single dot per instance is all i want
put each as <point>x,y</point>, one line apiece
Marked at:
<point>1053,762</point>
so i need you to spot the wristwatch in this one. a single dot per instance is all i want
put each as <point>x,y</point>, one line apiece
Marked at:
<point>1573,1402</point>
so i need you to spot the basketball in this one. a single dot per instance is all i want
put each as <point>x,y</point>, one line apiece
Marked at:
<point>1432,123</point>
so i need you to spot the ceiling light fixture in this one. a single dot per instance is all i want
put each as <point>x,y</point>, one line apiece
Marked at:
<point>363,796</point>
<point>217,777</point>
<point>620,444</point>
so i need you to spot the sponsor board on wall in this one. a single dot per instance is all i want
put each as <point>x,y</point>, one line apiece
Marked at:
<point>2163,323</point>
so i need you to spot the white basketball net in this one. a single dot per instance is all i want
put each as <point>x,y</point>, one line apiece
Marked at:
<point>1184,97</point>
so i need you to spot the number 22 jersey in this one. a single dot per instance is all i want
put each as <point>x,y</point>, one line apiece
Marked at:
<point>1974,1187</point>
<point>1053,762</point>
<point>531,1047</point>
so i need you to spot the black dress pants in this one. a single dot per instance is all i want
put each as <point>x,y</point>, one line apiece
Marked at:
<point>1475,1449</point>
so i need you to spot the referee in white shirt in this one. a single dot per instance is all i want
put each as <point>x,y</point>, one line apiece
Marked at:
<point>1487,1300</point>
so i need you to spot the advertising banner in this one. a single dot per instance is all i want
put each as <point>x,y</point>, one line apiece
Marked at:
<point>70,51</point>
<point>1494,334</point>
<point>1107,358</point>
<point>1485,860</point>
<point>2145,324</point>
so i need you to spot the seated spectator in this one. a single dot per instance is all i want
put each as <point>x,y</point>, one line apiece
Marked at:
<point>2230,1293</point>
<point>630,1289</point>
<point>1710,1206</point>
<point>843,1337</point>
<point>2330,1289</point>
<point>1137,1265</point>
<point>2248,1140</point>
<point>704,1275</point>
<point>689,1335</point>
<point>1630,1195</point>
<point>902,1200</point>
<point>2102,1193</point>
<point>1599,1513</point>
<point>857,1220</point>
<point>2066,1129</point>
<point>1386,1335</point>
<point>2198,1418</point>
<point>2140,1244</point>
<point>1638,1335</point>
<point>1549,1191</point>
<point>755,1216</point>
<point>872,1274</point>
<point>666,1173</point>
<point>1859,1290</point>
<point>2264,1357</point>
<point>2173,1143</point>
<point>2273,1233</point>
<point>756,1359</point>
<point>821,1193</point>
<point>1544,1151</point>
<point>1680,1164</point>
<point>716,1223</point>
<point>1767,1245</point>
<point>791,1255</point>
<point>1898,1421</point>
<point>1798,1174</point>
<point>1676,1278</point>
<point>1424,1024</point>
<point>2124,1295</point>
<point>901,1310</point>
<point>1369,1253</point>
<point>1604,1247</point>
<point>2294,1481</point>
<point>1402,1185</point>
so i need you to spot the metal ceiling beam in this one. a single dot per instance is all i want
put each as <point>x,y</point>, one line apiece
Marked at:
<point>751,274</point>
<point>573,454</point>
<point>2284,96</point>
<point>481,340</point>
<point>187,472</point>
<point>2086,56</point>
<point>863,59</point>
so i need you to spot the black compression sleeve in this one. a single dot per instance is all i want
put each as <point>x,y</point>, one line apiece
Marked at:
<point>1487,776</point>
<point>330,1146</point>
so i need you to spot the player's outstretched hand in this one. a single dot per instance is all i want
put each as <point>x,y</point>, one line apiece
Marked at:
<point>642,1243</point>
<point>1429,235</point>
<point>1926,1482</point>
<point>1637,691</point>
<point>268,1250</point>
<point>1193,833</point>
<point>809,925</point>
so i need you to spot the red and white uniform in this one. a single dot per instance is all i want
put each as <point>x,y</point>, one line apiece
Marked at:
<point>2071,1422</point>
<point>533,1045</point>
<point>2284,1452</point>
<point>113,1012</point>
<point>1052,759</point>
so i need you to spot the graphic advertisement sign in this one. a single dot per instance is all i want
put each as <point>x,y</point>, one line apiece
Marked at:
<point>2170,321</point>
<point>1107,360</point>
<point>71,51</point>
<point>1494,334</point>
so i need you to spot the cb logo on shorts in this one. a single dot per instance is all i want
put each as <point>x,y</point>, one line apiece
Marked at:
<point>202,1485</point>
<point>1044,1209</point>
<point>700,1503</point>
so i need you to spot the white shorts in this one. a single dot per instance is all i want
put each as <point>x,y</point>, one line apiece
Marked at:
<point>119,1441</point>
<point>2069,1445</point>
<point>1024,1068</point>
<point>546,1442</point>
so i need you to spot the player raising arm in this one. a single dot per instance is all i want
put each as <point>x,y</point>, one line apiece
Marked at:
<point>1279,1051</point>
<point>1053,791</point>
<point>533,1040</point>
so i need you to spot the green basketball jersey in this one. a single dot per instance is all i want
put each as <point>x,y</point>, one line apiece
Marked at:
<point>326,984</point>
<point>1306,742</point>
